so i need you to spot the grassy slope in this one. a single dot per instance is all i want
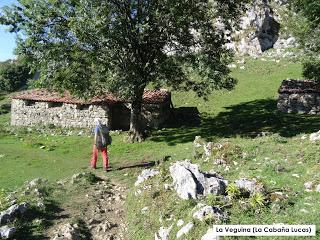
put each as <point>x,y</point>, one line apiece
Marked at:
<point>236,115</point>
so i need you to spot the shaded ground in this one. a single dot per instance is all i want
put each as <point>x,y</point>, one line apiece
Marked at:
<point>245,119</point>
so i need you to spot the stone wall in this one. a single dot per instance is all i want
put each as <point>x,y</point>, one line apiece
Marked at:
<point>299,103</point>
<point>299,97</point>
<point>30,113</point>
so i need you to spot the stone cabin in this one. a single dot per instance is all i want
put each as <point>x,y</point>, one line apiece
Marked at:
<point>39,106</point>
<point>299,96</point>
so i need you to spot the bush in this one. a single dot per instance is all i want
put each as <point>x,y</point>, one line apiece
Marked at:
<point>311,69</point>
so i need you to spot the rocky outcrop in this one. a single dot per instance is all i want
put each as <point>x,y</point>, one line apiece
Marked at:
<point>259,29</point>
<point>189,182</point>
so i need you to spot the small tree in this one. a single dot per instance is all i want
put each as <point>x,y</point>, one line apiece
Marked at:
<point>121,46</point>
<point>306,27</point>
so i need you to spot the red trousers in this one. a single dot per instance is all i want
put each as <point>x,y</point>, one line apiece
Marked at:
<point>94,158</point>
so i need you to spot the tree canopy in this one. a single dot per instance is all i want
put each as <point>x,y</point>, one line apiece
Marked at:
<point>306,23</point>
<point>121,46</point>
<point>13,75</point>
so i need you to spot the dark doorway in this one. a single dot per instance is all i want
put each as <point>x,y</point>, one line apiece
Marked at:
<point>120,119</point>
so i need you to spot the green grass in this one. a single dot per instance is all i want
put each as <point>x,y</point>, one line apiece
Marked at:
<point>235,117</point>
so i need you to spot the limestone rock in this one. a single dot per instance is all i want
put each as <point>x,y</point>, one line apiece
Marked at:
<point>185,230</point>
<point>210,235</point>
<point>309,186</point>
<point>145,174</point>
<point>180,223</point>
<point>205,211</point>
<point>7,232</point>
<point>251,186</point>
<point>12,212</point>
<point>189,182</point>
<point>163,233</point>
<point>315,137</point>
<point>318,188</point>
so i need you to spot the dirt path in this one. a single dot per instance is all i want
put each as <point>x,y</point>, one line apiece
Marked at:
<point>96,214</point>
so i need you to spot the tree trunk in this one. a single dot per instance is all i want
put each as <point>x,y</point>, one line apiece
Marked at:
<point>136,132</point>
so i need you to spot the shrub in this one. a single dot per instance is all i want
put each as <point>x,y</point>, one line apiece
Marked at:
<point>311,69</point>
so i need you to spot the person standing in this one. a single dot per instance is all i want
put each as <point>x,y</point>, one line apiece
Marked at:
<point>100,142</point>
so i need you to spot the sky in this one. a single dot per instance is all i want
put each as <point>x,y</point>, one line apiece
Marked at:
<point>7,40</point>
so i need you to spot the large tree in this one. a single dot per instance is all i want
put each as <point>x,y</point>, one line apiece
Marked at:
<point>121,46</point>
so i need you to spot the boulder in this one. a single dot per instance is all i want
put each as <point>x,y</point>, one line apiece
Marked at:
<point>12,212</point>
<point>145,174</point>
<point>204,211</point>
<point>210,235</point>
<point>250,186</point>
<point>185,230</point>
<point>318,188</point>
<point>7,232</point>
<point>163,233</point>
<point>189,182</point>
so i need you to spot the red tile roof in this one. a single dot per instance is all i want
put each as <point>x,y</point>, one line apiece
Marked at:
<point>43,95</point>
<point>299,86</point>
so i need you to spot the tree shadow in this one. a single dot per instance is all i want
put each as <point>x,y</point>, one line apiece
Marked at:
<point>26,227</point>
<point>245,120</point>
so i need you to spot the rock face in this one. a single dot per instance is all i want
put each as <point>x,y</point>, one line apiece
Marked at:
<point>189,182</point>
<point>268,33</point>
<point>12,212</point>
<point>299,96</point>
<point>259,29</point>
<point>145,174</point>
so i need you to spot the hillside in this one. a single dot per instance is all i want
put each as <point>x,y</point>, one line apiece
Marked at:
<point>256,142</point>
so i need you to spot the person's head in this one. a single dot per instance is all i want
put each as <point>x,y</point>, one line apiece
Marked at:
<point>97,121</point>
